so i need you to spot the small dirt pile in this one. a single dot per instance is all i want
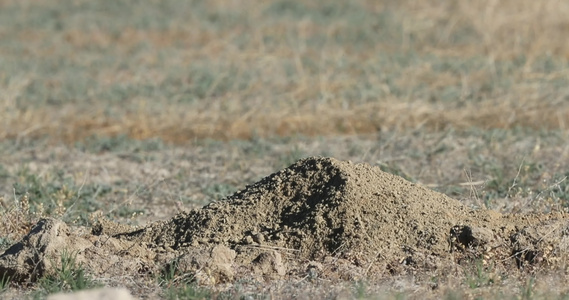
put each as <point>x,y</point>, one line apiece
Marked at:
<point>321,206</point>
<point>319,211</point>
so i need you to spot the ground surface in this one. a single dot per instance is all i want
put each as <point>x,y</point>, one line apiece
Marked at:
<point>313,222</point>
<point>114,112</point>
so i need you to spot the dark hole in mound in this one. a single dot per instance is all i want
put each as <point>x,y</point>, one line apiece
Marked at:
<point>526,255</point>
<point>463,235</point>
<point>466,237</point>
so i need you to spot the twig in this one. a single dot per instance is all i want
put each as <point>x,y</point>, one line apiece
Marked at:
<point>515,178</point>
<point>471,184</point>
<point>271,248</point>
<point>78,191</point>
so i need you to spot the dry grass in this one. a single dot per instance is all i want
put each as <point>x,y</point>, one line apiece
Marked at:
<point>171,125</point>
<point>245,69</point>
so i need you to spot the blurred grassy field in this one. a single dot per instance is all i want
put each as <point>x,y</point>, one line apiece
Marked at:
<point>138,110</point>
<point>185,70</point>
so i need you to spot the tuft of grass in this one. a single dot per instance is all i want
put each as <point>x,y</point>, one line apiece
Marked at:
<point>4,283</point>
<point>169,274</point>
<point>479,276</point>
<point>179,286</point>
<point>186,291</point>
<point>68,276</point>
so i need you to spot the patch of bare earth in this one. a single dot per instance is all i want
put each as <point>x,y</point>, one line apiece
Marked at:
<point>319,218</point>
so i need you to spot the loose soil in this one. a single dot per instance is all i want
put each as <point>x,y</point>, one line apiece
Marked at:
<point>318,218</point>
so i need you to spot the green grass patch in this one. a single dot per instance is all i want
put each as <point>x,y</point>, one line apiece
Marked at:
<point>180,286</point>
<point>68,276</point>
<point>58,194</point>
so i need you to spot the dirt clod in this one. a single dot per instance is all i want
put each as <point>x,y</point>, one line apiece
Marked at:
<point>269,263</point>
<point>348,220</point>
<point>39,252</point>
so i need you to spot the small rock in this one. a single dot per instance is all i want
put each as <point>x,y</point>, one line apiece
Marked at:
<point>259,238</point>
<point>269,263</point>
<point>222,261</point>
<point>248,240</point>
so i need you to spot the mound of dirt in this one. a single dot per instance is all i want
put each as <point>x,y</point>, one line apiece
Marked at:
<point>353,217</point>
<point>321,206</point>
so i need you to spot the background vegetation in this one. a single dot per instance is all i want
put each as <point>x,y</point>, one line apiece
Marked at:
<point>181,70</point>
